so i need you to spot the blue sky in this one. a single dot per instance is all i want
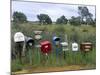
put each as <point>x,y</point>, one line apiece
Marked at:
<point>31,9</point>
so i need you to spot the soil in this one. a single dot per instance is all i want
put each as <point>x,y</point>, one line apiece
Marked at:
<point>52,69</point>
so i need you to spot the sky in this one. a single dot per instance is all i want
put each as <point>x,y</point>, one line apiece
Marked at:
<point>32,9</point>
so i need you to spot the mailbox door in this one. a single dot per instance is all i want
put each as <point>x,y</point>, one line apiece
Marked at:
<point>74,47</point>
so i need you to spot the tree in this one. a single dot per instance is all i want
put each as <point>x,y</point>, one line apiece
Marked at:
<point>19,17</point>
<point>44,19</point>
<point>62,20</point>
<point>85,14</point>
<point>75,21</point>
<point>93,23</point>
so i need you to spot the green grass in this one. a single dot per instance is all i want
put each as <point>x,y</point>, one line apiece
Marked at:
<point>83,33</point>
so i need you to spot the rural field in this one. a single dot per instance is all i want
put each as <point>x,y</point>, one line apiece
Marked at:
<point>40,63</point>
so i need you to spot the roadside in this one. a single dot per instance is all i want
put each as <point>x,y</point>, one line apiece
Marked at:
<point>53,69</point>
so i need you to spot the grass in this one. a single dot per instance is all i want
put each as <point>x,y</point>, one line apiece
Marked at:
<point>72,58</point>
<point>83,33</point>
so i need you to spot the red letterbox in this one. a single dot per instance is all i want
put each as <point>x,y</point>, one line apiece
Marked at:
<point>45,47</point>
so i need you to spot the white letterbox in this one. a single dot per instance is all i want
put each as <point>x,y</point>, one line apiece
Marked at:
<point>19,37</point>
<point>74,46</point>
<point>38,35</point>
<point>64,46</point>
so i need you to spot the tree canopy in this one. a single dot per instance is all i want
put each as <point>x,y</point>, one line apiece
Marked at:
<point>62,20</point>
<point>44,19</point>
<point>19,17</point>
<point>85,15</point>
<point>75,21</point>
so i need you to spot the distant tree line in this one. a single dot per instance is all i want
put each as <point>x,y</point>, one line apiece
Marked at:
<point>85,17</point>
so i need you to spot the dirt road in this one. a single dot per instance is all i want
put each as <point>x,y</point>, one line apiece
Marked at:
<point>52,69</point>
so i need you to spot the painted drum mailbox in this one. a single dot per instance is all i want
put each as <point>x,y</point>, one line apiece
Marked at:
<point>38,35</point>
<point>56,40</point>
<point>64,46</point>
<point>86,47</point>
<point>29,41</point>
<point>19,37</point>
<point>74,46</point>
<point>29,45</point>
<point>45,47</point>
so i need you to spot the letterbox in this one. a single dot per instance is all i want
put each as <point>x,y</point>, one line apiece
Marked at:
<point>74,46</point>
<point>86,47</point>
<point>19,37</point>
<point>56,40</point>
<point>45,47</point>
<point>38,35</point>
<point>64,46</point>
<point>29,41</point>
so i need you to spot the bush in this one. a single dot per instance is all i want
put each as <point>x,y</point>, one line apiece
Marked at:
<point>59,29</point>
<point>75,21</point>
<point>85,30</point>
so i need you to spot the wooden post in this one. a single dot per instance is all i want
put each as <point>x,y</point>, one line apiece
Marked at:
<point>64,54</point>
<point>38,54</point>
<point>30,56</point>
<point>64,48</point>
<point>24,47</point>
<point>47,58</point>
<point>19,38</point>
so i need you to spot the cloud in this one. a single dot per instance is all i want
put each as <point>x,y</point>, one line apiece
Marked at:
<point>31,9</point>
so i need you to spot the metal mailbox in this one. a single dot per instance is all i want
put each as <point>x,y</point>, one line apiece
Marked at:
<point>64,46</point>
<point>45,47</point>
<point>86,47</point>
<point>74,46</point>
<point>56,40</point>
<point>38,35</point>
<point>29,41</point>
<point>19,37</point>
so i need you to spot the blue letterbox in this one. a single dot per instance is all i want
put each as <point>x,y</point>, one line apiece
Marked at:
<point>56,40</point>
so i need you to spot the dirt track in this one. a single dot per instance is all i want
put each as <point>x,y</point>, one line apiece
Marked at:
<point>53,69</point>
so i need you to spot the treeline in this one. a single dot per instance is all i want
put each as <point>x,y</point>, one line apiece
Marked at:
<point>85,17</point>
